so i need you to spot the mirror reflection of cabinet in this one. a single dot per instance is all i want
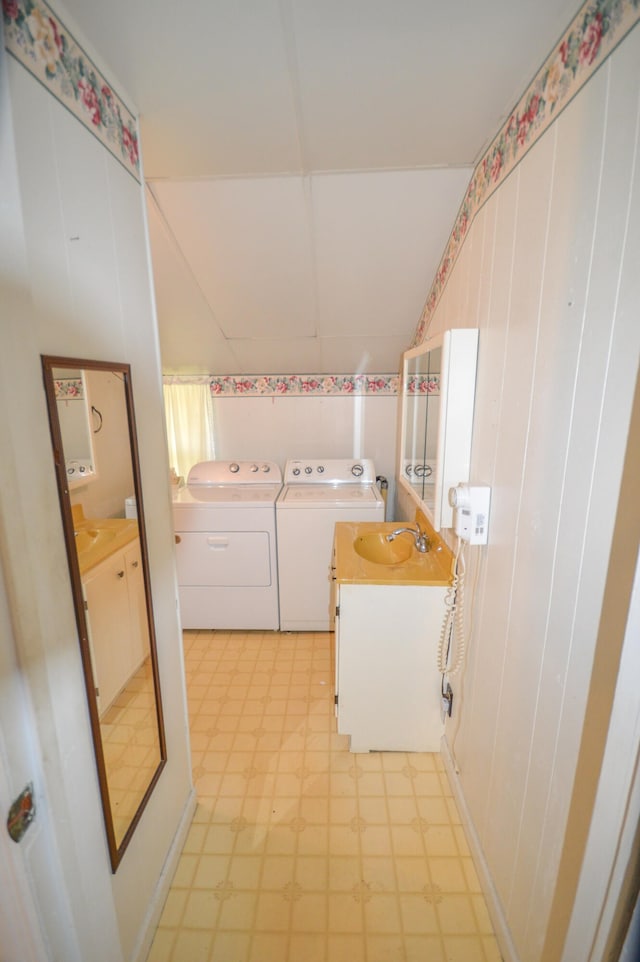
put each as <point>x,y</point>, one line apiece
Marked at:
<point>109,570</point>
<point>437,398</point>
<point>113,593</point>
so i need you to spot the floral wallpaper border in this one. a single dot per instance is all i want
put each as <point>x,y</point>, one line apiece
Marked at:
<point>69,389</point>
<point>292,385</point>
<point>38,39</point>
<point>309,385</point>
<point>423,384</point>
<point>595,31</point>
<point>304,385</point>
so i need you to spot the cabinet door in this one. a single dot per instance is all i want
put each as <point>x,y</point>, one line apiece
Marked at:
<point>388,677</point>
<point>139,640</point>
<point>107,598</point>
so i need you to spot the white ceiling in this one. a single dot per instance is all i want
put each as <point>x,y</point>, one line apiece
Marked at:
<point>306,159</point>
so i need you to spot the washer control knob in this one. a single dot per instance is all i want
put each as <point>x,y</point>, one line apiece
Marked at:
<point>308,469</point>
<point>234,468</point>
<point>357,470</point>
<point>296,472</point>
<point>253,468</point>
<point>266,468</point>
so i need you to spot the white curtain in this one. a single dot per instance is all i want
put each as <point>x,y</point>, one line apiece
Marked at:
<point>189,415</point>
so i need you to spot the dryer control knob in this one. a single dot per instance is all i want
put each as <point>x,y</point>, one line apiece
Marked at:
<point>234,468</point>
<point>296,472</point>
<point>308,470</point>
<point>320,469</point>
<point>357,470</point>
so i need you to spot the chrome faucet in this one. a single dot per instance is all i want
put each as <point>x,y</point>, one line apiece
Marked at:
<point>422,541</point>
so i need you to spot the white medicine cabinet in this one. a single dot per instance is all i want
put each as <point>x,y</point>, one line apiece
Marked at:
<point>75,413</point>
<point>437,397</point>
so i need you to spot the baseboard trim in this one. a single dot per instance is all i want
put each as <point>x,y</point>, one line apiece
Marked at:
<point>494,905</point>
<point>159,897</point>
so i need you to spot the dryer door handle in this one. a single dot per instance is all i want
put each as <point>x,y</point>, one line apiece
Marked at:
<point>218,544</point>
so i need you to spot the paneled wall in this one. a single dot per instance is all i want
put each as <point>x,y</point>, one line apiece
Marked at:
<point>549,274</point>
<point>309,427</point>
<point>76,282</point>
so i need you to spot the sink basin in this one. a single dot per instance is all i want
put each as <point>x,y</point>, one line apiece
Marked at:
<point>95,539</point>
<point>89,538</point>
<point>85,539</point>
<point>375,547</point>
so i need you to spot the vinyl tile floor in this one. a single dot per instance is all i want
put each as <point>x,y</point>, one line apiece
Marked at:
<point>129,731</point>
<point>300,851</point>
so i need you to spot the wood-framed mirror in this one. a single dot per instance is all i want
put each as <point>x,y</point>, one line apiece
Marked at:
<point>104,530</point>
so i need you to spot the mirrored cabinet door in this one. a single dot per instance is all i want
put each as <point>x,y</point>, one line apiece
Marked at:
<point>438,391</point>
<point>420,434</point>
<point>75,414</point>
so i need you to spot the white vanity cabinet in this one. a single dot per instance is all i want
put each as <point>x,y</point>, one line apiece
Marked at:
<point>387,681</point>
<point>116,618</point>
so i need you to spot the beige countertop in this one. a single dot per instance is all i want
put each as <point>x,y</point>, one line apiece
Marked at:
<point>432,568</point>
<point>98,538</point>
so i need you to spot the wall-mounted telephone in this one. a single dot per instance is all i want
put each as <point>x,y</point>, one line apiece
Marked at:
<point>470,503</point>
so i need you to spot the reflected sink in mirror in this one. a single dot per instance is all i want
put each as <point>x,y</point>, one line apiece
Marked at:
<point>95,539</point>
<point>89,538</point>
<point>375,547</point>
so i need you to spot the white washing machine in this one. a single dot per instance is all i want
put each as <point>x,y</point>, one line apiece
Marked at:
<point>225,530</point>
<point>317,494</point>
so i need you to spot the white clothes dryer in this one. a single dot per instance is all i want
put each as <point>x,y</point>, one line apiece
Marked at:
<point>225,531</point>
<point>317,494</point>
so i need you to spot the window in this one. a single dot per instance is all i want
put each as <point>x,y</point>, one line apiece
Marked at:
<point>189,417</point>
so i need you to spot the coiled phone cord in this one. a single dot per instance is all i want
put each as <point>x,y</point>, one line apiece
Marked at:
<point>453,625</point>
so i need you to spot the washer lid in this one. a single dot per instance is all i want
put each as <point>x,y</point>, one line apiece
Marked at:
<point>329,495</point>
<point>227,495</point>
